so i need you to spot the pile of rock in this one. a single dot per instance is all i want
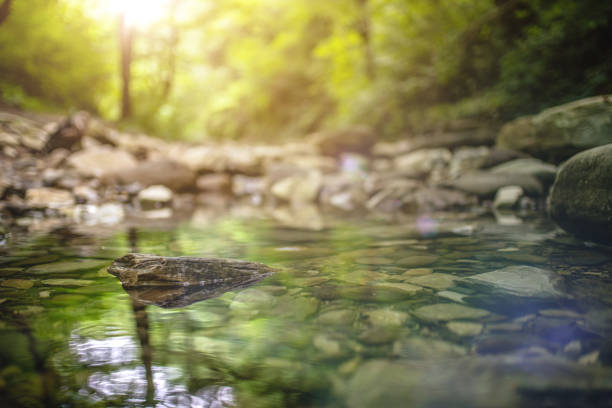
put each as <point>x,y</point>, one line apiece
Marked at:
<point>79,166</point>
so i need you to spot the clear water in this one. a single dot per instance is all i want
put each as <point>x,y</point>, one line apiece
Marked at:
<point>346,322</point>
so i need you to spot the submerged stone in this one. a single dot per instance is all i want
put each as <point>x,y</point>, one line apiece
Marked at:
<point>330,347</point>
<point>386,318</point>
<point>449,311</point>
<point>464,329</point>
<point>67,266</point>
<point>520,280</point>
<point>379,335</point>
<point>342,317</point>
<point>438,281</point>
<point>17,283</point>
<point>67,282</point>
<point>421,348</point>
<point>418,260</point>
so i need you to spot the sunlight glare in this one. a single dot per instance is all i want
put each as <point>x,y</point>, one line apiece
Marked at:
<point>140,13</point>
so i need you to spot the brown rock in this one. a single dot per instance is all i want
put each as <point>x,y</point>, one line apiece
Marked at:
<point>175,176</point>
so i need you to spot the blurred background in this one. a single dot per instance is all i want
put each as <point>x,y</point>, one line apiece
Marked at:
<point>271,70</point>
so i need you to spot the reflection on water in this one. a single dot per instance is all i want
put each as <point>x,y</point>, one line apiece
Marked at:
<point>109,351</point>
<point>431,311</point>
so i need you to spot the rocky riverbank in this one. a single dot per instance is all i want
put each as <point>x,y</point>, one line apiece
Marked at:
<point>79,169</point>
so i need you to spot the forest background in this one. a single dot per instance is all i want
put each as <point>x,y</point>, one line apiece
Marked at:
<point>277,69</point>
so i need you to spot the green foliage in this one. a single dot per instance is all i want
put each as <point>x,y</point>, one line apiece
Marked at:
<point>54,51</point>
<point>271,69</point>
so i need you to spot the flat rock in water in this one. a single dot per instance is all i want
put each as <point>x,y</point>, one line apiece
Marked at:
<point>449,311</point>
<point>180,281</point>
<point>520,280</point>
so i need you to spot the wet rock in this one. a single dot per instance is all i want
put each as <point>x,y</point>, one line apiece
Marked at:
<point>557,133</point>
<point>85,194</point>
<point>17,283</point>
<point>420,348</point>
<point>386,292</point>
<point>300,217</point>
<point>252,299</point>
<point>486,184</point>
<point>399,287</point>
<point>393,195</point>
<point>342,317</point>
<point>298,189</point>
<point>448,311</point>
<point>299,308</point>
<point>411,273</point>
<point>544,172</point>
<point>108,214</point>
<point>67,266</point>
<point>330,347</point>
<point>67,282</point>
<point>417,260</point>
<point>450,295</point>
<point>68,134</point>
<point>100,161</point>
<point>168,173</point>
<point>508,197</point>
<point>379,335</point>
<point>244,185</point>
<point>581,198</point>
<point>204,159</point>
<point>357,139</point>
<point>386,318</point>
<point>155,197</point>
<point>421,163</point>
<point>498,156</point>
<point>361,277</point>
<point>465,329</point>
<point>48,198</point>
<point>507,342</point>
<point>438,281</point>
<point>466,159</point>
<point>151,270</point>
<point>521,280</point>
<point>374,260</point>
<point>442,199</point>
<point>218,183</point>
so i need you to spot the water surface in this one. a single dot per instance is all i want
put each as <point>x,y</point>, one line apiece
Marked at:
<point>363,313</point>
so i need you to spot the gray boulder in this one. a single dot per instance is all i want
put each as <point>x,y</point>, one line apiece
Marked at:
<point>544,172</point>
<point>557,133</point>
<point>581,197</point>
<point>485,184</point>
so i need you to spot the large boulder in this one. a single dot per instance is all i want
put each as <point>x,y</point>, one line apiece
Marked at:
<point>581,197</point>
<point>557,133</point>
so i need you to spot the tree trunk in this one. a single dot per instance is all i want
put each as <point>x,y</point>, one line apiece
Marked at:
<point>364,28</point>
<point>125,40</point>
<point>5,10</point>
<point>172,50</point>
